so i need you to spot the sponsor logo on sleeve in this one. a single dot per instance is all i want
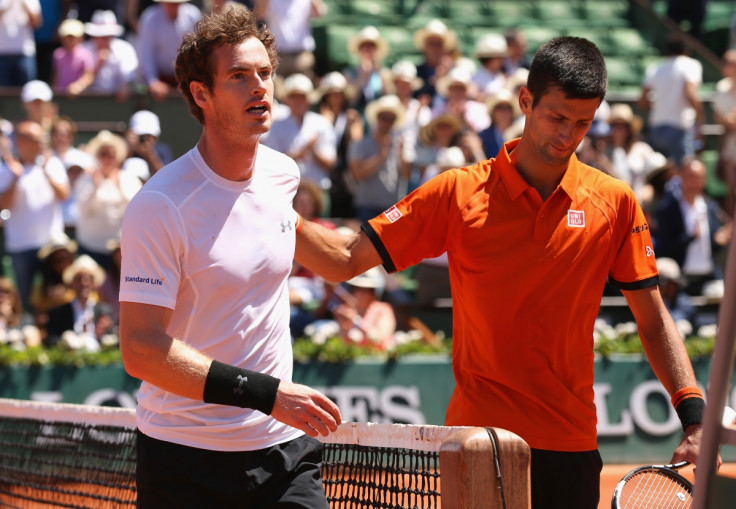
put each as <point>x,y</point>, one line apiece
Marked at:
<point>576,218</point>
<point>393,214</point>
<point>145,280</point>
<point>639,229</point>
<point>649,251</point>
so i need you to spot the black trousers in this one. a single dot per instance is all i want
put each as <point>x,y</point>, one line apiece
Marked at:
<point>285,476</point>
<point>565,480</point>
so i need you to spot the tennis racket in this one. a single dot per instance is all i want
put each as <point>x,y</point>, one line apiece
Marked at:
<point>655,487</point>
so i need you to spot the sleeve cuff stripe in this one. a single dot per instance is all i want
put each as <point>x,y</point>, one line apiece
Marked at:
<point>636,285</point>
<point>388,263</point>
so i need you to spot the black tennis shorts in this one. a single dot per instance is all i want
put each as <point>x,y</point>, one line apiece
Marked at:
<point>565,480</point>
<point>283,476</point>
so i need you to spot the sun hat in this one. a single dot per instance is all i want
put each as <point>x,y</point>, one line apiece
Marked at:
<point>405,70</point>
<point>297,84</point>
<point>426,133</point>
<point>72,27</point>
<point>389,103</point>
<point>84,263</point>
<point>103,24</point>
<point>491,46</point>
<point>372,278</point>
<point>436,28</point>
<point>456,75</point>
<point>451,157</point>
<point>654,164</point>
<point>57,242</point>
<point>106,138</point>
<point>622,112</point>
<point>669,270</point>
<point>368,34</point>
<point>334,81</point>
<point>145,122</point>
<point>36,90</point>
<point>503,96</point>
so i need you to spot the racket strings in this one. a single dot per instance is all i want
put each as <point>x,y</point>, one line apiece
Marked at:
<point>654,490</point>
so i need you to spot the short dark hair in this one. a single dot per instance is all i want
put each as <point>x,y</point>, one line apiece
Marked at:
<point>194,60</point>
<point>572,64</point>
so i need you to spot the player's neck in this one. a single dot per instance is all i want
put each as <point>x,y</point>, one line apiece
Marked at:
<point>537,173</point>
<point>230,160</point>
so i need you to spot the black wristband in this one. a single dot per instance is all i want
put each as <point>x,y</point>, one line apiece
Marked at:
<point>690,411</point>
<point>228,385</point>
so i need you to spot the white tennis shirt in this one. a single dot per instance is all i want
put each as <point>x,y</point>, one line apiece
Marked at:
<point>218,253</point>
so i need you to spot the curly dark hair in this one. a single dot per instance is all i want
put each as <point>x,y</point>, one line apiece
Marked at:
<point>573,64</point>
<point>194,61</point>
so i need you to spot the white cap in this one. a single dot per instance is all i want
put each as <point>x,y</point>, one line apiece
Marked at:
<point>36,90</point>
<point>372,278</point>
<point>491,45</point>
<point>145,122</point>
<point>72,27</point>
<point>297,83</point>
<point>451,157</point>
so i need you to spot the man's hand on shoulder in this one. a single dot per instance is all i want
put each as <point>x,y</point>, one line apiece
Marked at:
<point>306,409</point>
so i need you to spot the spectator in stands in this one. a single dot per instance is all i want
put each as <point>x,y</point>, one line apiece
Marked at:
<point>517,56</point>
<point>146,154</point>
<point>369,78</point>
<point>627,151</point>
<point>109,291</point>
<point>691,228</point>
<point>455,92</point>
<point>724,111</point>
<point>347,124</point>
<point>304,135</point>
<point>18,19</point>
<point>16,326</point>
<point>32,187</point>
<point>160,31</point>
<point>49,290</point>
<point>290,21</point>
<point>73,63</point>
<point>670,91</point>
<point>490,50</point>
<point>376,163</point>
<point>102,196</point>
<point>671,285</point>
<point>404,84</point>
<point>503,108</point>
<point>116,62</point>
<point>437,44</point>
<point>76,162</point>
<point>362,317</point>
<point>442,132</point>
<point>658,170</point>
<point>37,97</point>
<point>81,323</point>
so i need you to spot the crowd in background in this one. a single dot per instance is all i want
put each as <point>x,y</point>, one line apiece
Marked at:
<point>363,138</point>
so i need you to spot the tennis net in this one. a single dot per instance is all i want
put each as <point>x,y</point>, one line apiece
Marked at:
<point>64,455</point>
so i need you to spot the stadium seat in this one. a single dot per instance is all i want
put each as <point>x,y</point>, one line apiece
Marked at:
<point>630,41</point>
<point>507,13</point>
<point>538,35</point>
<point>714,186</point>
<point>469,12</point>
<point>562,14</point>
<point>597,36</point>
<point>400,41</point>
<point>609,14</point>
<point>623,71</point>
<point>375,12</point>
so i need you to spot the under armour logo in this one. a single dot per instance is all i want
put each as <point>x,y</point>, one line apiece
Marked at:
<point>241,380</point>
<point>285,226</point>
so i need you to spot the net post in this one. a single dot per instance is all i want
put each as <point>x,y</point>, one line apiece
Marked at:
<point>468,474</point>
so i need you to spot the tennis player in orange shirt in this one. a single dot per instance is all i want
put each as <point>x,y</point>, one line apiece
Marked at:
<point>532,236</point>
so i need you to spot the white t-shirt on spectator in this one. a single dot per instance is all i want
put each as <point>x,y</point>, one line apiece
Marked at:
<point>667,81</point>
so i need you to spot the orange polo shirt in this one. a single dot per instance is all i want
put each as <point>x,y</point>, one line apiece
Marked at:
<point>527,278</point>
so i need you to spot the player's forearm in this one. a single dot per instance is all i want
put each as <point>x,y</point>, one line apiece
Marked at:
<point>667,355</point>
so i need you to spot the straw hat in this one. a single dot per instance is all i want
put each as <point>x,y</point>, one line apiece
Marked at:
<point>491,46</point>
<point>405,70</point>
<point>84,263</point>
<point>105,138</point>
<point>503,96</point>
<point>456,75</point>
<point>426,134</point>
<point>369,34</point>
<point>436,28</point>
<point>103,24</point>
<point>334,81</point>
<point>57,242</point>
<point>622,112</point>
<point>297,84</point>
<point>72,27</point>
<point>389,103</point>
<point>372,278</point>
